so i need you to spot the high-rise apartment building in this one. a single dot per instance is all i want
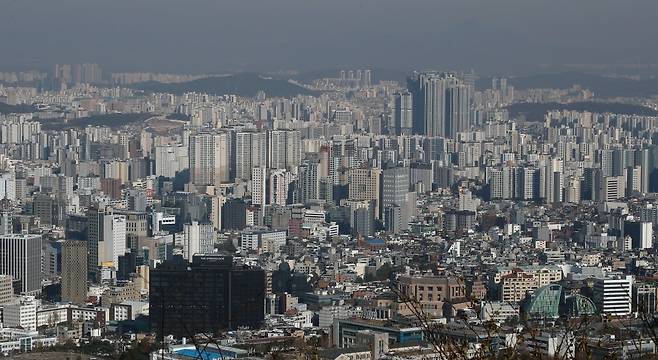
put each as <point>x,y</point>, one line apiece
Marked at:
<point>279,185</point>
<point>441,104</point>
<point>170,159</point>
<point>284,149</point>
<point>8,186</point>
<point>250,152</point>
<point>210,158</point>
<point>258,186</point>
<point>308,185</point>
<point>403,113</point>
<point>198,239</point>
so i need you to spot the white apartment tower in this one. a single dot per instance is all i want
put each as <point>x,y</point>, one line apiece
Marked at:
<point>284,149</point>
<point>258,183</point>
<point>210,159</point>
<point>250,152</point>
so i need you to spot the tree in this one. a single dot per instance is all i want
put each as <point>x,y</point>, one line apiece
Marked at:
<point>384,272</point>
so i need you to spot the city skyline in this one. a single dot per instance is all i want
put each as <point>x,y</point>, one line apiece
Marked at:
<point>328,180</point>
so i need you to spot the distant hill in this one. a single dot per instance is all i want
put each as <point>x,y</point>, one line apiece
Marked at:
<point>111,120</point>
<point>536,111</point>
<point>603,86</point>
<point>377,75</point>
<point>17,109</point>
<point>247,85</point>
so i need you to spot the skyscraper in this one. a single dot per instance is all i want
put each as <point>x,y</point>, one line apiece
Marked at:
<point>106,239</point>
<point>113,243</point>
<point>394,189</point>
<point>284,149</point>
<point>250,152</point>
<point>94,236</point>
<point>308,185</point>
<point>457,116</point>
<point>364,184</point>
<point>8,186</point>
<point>279,183</point>
<point>210,158</point>
<point>20,257</point>
<point>170,159</point>
<point>403,113</point>
<point>6,223</point>
<point>258,186</point>
<point>74,271</point>
<point>441,104</point>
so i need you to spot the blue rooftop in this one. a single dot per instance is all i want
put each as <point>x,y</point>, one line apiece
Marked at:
<point>376,241</point>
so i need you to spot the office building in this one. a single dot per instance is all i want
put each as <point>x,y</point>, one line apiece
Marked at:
<point>74,271</point>
<point>613,294</point>
<point>113,241</point>
<point>20,312</point>
<point>362,218</point>
<point>20,257</point>
<point>209,295</point>
<point>234,214</point>
<point>6,289</point>
<point>364,184</point>
<point>644,298</point>
<point>6,223</point>
<point>429,293</point>
<point>262,240</point>
<point>551,345</point>
<point>394,186</point>
<point>641,234</point>
<point>8,186</point>
<point>612,188</point>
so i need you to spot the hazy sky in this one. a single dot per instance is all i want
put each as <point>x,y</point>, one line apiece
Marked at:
<point>215,35</point>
